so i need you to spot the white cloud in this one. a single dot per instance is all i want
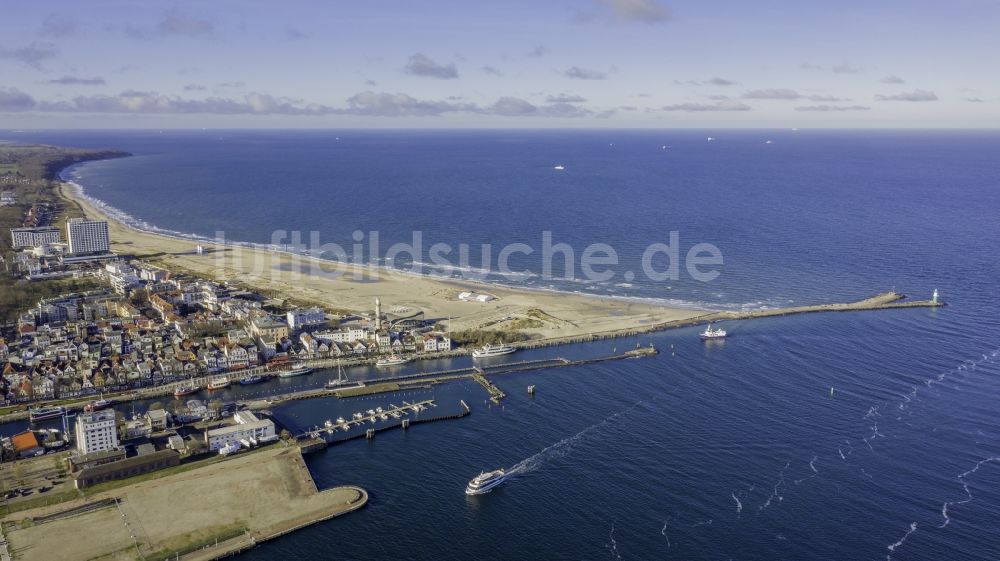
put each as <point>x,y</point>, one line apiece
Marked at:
<point>584,73</point>
<point>724,105</point>
<point>422,65</point>
<point>641,11</point>
<point>915,95</point>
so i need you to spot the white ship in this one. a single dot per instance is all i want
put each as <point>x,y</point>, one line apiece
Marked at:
<point>485,482</point>
<point>391,360</point>
<point>710,333</point>
<point>493,350</point>
<point>298,369</point>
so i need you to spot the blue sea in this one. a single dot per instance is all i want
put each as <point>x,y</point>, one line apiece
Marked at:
<point>830,437</point>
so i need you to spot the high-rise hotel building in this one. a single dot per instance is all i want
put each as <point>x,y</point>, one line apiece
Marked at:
<point>87,236</point>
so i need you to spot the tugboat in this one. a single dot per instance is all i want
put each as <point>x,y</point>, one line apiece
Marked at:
<point>298,369</point>
<point>186,390</point>
<point>485,482</point>
<point>710,333</point>
<point>493,350</point>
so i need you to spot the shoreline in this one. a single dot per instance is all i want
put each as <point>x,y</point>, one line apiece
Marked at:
<point>268,270</point>
<point>112,213</point>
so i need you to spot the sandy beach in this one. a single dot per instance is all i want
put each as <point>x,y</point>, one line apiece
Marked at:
<point>307,280</point>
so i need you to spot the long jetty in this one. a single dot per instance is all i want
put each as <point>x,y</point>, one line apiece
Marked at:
<point>885,301</point>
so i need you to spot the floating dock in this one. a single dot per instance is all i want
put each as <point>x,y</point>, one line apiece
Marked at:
<point>335,433</point>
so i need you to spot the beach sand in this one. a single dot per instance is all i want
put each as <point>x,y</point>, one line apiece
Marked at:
<point>282,275</point>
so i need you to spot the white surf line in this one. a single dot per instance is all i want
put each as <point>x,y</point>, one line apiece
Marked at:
<point>776,491</point>
<point>702,523</point>
<point>739,505</point>
<point>872,412</point>
<point>812,466</point>
<point>892,547</point>
<point>866,474</point>
<point>663,532</point>
<point>965,487</point>
<point>613,546</point>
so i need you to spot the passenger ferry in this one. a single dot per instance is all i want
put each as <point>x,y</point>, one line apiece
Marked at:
<point>219,383</point>
<point>710,333</point>
<point>485,482</point>
<point>492,350</point>
<point>391,360</point>
<point>42,413</point>
<point>186,390</point>
<point>298,369</point>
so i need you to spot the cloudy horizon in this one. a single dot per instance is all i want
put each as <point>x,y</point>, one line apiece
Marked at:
<point>581,63</point>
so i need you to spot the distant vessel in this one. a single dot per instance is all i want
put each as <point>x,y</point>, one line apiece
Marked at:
<point>186,390</point>
<point>711,138</point>
<point>559,168</point>
<point>219,383</point>
<point>493,350</point>
<point>485,482</point>
<point>298,369</point>
<point>42,413</point>
<point>391,360</point>
<point>710,333</point>
<point>98,405</point>
<point>252,379</point>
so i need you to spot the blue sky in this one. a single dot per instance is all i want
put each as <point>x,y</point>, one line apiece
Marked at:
<point>560,63</point>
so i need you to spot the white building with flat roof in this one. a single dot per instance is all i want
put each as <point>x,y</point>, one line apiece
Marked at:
<point>253,430</point>
<point>87,236</point>
<point>96,431</point>
<point>33,237</point>
<point>305,317</point>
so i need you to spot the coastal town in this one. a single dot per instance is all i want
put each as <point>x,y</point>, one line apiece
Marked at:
<point>102,317</point>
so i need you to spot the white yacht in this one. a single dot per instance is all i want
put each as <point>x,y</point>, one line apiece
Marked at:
<point>710,333</point>
<point>339,381</point>
<point>559,167</point>
<point>493,350</point>
<point>485,482</point>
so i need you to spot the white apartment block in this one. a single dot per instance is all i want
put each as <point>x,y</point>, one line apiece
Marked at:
<point>87,236</point>
<point>33,237</point>
<point>253,430</point>
<point>96,431</point>
<point>305,317</point>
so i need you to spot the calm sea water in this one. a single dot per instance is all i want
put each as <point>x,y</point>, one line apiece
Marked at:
<point>735,450</point>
